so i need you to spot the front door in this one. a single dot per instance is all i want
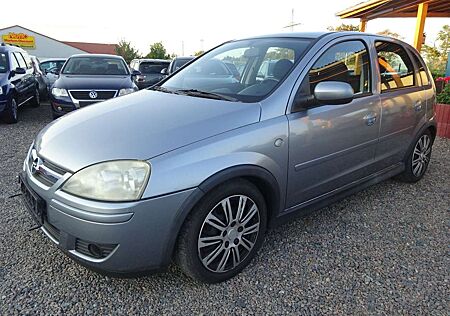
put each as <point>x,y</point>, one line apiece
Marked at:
<point>332,146</point>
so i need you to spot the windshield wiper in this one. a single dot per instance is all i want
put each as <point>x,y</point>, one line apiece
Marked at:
<point>204,94</point>
<point>162,89</point>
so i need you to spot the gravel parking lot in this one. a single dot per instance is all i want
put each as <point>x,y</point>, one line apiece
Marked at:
<point>382,251</point>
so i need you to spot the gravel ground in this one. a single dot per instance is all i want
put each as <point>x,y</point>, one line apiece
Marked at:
<point>382,251</point>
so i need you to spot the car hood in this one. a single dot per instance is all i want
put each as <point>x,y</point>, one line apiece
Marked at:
<point>93,82</point>
<point>138,126</point>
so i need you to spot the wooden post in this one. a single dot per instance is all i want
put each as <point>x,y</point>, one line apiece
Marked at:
<point>362,25</point>
<point>422,11</point>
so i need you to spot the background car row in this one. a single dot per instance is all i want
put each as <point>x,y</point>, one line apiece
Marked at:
<point>24,79</point>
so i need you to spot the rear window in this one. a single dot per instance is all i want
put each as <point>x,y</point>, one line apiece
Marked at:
<point>152,67</point>
<point>421,70</point>
<point>95,66</point>
<point>3,63</point>
<point>396,68</point>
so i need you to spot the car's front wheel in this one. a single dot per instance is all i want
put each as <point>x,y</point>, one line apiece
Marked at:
<point>223,233</point>
<point>418,159</point>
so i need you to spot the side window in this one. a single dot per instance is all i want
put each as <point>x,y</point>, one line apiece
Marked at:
<point>396,69</point>
<point>14,62</point>
<point>20,60</point>
<point>421,70</point>
<point>27,59</point>
<point>345,62</point>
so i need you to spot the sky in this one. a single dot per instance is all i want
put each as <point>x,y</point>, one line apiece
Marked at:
<point>185,27</point>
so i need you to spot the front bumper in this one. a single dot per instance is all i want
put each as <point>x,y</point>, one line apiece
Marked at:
<point>135,237</point>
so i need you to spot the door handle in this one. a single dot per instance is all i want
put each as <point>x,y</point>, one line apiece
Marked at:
<point>370,119</point>
<point>418,106</point>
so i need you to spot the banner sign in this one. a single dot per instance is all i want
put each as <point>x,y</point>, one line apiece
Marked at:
<point>19,39</point>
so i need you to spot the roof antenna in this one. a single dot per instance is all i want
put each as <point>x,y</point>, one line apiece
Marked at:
<point>292,22</point>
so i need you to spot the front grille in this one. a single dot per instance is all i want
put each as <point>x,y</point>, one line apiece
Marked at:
<point>94,250</point>
<point>86,103</point>
<point>101,94</point>
<point>43,170</point>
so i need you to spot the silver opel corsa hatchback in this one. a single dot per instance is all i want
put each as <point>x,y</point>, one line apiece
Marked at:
<point>196,168</point>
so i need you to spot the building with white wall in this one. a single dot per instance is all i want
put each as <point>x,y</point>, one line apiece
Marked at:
<point>45,47</point>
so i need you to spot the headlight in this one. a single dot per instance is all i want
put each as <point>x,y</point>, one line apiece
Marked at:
<point>57,92</point>
<point>120,180</point>
<point>126,91</point>
<point>1,90</point>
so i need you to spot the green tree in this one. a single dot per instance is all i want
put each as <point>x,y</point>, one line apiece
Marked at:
<point>158,51</point>
<point>436,55</point>
<point>388,32</point>
<point>343,27</point>
<point>198,53</point>
<point>127,51</point>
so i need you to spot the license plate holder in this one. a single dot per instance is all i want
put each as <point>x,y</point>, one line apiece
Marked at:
<point>35,205</point>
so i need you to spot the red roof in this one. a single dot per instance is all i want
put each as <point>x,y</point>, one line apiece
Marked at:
<point>94,48</point>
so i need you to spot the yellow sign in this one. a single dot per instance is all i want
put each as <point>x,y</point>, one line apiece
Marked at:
<point>19,39</point>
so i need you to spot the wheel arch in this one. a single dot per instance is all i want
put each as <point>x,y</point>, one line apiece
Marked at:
<point>260,177</point>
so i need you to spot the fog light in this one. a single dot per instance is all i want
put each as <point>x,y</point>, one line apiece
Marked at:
<point>59,108</point>
<point>95,250</point>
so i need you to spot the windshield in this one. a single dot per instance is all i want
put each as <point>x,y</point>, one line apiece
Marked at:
<point>95,66</point>
<point>152,67</point>
<point>240,69</point>
<point>3,63</point>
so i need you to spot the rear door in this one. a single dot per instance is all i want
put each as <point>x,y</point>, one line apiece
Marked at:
<point>402,102</point>
<point>332,146</point>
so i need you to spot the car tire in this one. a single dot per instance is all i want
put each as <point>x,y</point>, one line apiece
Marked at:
<point>215,245</point>
<point>36,100</point>
<point>416,163</point>
<point>11,111</point>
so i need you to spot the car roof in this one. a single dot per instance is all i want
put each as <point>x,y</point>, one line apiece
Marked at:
<point>97,55</point>
<point>53,59</point>
<point>10,48</point>
<point>152,60</point>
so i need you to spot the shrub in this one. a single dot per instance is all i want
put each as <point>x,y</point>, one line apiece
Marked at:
<point>444,96</point>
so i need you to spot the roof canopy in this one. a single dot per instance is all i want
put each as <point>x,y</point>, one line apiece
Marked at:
<point>374,9</point>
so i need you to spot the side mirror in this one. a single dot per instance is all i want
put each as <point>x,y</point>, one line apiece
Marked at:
<point>135,73</point>
<point>20,71</point>
<point>333,92</point>
<point>164,72</point>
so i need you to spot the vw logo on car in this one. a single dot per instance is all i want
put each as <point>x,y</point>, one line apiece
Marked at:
<point>93,94</point>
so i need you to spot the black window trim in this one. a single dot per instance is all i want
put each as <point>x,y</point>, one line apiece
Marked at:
<point>417,57</point>
<point>414,86</point>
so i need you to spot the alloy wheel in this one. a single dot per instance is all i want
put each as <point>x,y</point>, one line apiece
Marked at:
<point>228,233</point>
<point>421,155</point>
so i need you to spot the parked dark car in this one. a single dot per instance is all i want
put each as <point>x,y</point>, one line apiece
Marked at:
<point>176,63</point>
<point>150,70</point>
<point>87,79</point>
<point>18,85</point>
<point>40,77</point>
<point>51,68</point>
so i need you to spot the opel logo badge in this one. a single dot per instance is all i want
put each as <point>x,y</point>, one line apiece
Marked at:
<point>36,163</point>
<point>93,94</point>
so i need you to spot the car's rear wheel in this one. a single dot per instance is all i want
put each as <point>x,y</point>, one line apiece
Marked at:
<point>223,233</point>
<point>418,158</point>
<point>36,100</point>
<point>11,111</point>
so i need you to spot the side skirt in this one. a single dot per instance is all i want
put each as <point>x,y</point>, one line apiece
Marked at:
<point>336,195</point>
